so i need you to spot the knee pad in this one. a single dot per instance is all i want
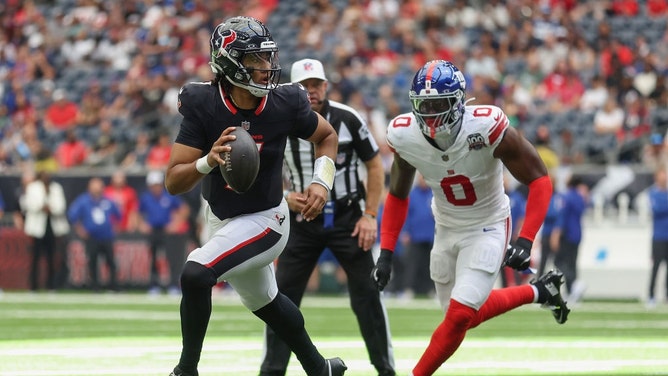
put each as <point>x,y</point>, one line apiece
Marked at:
<point>196,275</point>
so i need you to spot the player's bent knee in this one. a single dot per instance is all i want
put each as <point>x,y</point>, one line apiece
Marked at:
<point>460,315</point>
<point>196,275</point>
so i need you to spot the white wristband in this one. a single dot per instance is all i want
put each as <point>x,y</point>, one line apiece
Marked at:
<point>202,165</point>
<point>324,171</point>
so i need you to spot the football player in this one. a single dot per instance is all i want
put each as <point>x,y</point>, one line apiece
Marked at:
<point>249,230</point>
<point>461,150</point>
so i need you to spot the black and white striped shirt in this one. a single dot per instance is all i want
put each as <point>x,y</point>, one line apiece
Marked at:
<point>355,144</point>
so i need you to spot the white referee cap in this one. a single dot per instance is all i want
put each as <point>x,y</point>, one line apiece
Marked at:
<point>305,69</point>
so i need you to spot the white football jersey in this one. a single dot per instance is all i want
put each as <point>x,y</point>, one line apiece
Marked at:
<point>466,179</point>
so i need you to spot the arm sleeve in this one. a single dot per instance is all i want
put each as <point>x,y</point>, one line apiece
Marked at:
<point>394,216</point>
<point>540,192</point>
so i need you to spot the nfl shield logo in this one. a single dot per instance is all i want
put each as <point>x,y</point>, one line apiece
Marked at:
<point>245,125</point>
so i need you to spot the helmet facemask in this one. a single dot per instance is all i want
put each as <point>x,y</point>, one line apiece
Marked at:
<point>439,113</point>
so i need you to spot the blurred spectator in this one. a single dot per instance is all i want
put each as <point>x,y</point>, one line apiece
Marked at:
<point>61,115</point>
<point>125,197</point>
<point>45,223</point>
<point>645,81</point>
<point>158,155</point>
<point>137,157</point>
<point>569,150</point>
<point>567,234</point>
<point>23,112</point>
<point>162,214</point>
<point>636,126</point>
<point>658,197</point>
<point>93,215</point>
<point>625,7</point>
<point>19,210</point>
<point>561,88</point>
<point>608,126</point>
<point>78,47</point>
<point>657,8</point>
<point>582,58</point>
<point>72,152</point>
<point>419,228</point>
<point>614,58</point>
<point>543,144</point>
<point>594,96</point>
<point>655,152</point>
<point>106,149</point>
<point>89,113</point>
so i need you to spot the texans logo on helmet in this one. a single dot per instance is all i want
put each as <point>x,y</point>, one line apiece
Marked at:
<point>227,39</point>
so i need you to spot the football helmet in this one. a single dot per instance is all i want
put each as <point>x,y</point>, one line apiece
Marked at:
<point>437,98</point>
<point>237,37</point>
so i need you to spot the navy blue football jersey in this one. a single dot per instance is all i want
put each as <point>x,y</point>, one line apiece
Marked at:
<point>207,111</point>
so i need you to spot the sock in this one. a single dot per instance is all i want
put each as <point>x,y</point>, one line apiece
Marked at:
<point>541,293</point>
<point>196,284</point>
<point>503,300</point>
<point>446,338</point>
<point>287,321</point>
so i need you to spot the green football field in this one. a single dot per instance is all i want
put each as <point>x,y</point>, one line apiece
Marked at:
<point>44,334</point>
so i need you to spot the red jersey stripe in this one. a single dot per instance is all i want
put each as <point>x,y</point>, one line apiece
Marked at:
<point>497,129</point>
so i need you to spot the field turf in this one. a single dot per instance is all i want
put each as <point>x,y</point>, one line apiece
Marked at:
<point>74,333</point>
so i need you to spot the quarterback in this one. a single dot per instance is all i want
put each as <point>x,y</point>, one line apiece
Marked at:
<point>461,151</point>
<point>249,230</point>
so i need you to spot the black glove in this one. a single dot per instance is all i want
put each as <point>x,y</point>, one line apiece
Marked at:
<point>380,274</point>
<point>518,255</point>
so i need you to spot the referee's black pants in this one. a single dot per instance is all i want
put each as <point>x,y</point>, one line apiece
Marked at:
<point>306,243</point>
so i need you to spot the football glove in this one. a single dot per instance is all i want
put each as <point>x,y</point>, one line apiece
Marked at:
<point>380,274</point>
<point>518,255</point>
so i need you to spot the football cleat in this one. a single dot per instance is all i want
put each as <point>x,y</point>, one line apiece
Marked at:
<point>550,285</point>
<point>335,367</point>
<point>177,372</point>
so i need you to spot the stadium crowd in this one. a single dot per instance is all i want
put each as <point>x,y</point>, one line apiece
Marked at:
<point>94,83</point>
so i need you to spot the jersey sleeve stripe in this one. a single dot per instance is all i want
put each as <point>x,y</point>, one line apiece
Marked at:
<point>497,129</point>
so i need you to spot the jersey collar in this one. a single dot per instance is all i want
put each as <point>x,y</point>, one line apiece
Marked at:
<point>233,109</point>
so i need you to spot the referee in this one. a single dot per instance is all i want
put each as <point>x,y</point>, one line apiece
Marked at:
<point>347,225</point>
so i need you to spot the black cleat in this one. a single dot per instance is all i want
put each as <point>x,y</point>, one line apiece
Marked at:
<point>550,285</point>
<point>335,367</point>
<point>177,372</point>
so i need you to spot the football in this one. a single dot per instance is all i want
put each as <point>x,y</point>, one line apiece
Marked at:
<point>242,163</point>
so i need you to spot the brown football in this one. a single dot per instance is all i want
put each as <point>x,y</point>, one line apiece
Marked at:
<point>242,163</point>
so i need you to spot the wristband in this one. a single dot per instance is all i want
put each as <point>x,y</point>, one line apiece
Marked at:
<point>323,172</point>
<point>202,165</point>
<point>370,214</point>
